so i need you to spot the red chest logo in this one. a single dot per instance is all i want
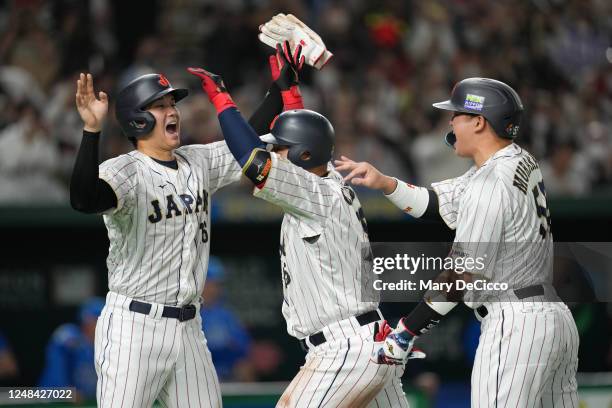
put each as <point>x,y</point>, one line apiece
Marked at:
<point>163,81</point>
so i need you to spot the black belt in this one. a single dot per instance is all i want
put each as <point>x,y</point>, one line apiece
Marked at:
<point>523,293</point>
<point>319,338</point>
<point>184,313</point>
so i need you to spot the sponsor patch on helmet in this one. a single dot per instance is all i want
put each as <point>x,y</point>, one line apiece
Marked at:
<point>474,102</point>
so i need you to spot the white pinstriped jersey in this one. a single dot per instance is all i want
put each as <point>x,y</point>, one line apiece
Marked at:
<point>322,234</point>
<point>500,208</point>
<point>160,230</point>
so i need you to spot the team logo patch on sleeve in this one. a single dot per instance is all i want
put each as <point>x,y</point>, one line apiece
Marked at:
<point>474,102</point>
<point>264,171</point>
<point>258,166</point>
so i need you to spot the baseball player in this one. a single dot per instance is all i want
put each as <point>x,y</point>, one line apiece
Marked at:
<point>527,352</point>
<point>322,235</point>
<point>155,199</point>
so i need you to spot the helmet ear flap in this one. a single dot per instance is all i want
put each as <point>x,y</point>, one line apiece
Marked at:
<point>295,156</point>
<point>140,123</point>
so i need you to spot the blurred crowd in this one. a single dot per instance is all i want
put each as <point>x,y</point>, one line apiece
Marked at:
<point>392,60</point>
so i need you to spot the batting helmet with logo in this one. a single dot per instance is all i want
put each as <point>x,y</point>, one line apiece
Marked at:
<point>496,101</point>
<point>132,100</point>
<point>308,134</point>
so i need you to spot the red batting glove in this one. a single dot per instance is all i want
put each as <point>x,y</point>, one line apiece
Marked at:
<point>284,67</point>
<point>214,87</point>
<point>381,331</point>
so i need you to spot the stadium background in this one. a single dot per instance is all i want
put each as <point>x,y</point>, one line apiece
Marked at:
<point>392,60</point>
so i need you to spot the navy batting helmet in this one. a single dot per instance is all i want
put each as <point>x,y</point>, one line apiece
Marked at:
<point>136,96</point>
<point>308,134</point>
<point>496,101</point>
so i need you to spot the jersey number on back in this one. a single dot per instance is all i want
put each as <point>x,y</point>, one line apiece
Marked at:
<point>285,277</point>
<point>350,198</point>
<point>542,211</point>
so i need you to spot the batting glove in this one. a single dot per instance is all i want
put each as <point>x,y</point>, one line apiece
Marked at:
<point>289,28</point>
<point>284,67</point>
<point>395,346</point>
<point>214,87</point>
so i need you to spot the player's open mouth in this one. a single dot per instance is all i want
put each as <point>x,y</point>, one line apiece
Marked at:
<point>172,128</point>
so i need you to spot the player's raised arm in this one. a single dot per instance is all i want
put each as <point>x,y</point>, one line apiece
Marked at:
<point>419,202</point>
<point>89,193</point>
<point>257,163</point>
<point>241,138</point>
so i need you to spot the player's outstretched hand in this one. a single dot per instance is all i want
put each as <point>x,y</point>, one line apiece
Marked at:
<point>212,84</point>
<point>364,174</point>
<point>93,111</point>
<point>285,65</point>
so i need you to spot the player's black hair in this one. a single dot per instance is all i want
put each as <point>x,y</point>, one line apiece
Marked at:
<point>133,141</point>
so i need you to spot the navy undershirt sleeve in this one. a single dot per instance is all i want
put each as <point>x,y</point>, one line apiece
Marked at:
<point>240,137</point>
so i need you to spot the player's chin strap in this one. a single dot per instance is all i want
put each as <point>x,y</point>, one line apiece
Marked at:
<point>450,139</point>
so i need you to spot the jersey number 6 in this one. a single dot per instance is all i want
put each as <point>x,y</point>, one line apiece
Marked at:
<point>542,211</point>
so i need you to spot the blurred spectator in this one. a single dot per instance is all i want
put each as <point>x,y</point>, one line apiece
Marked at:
<point>434,159</point>
<point>567,172</point>
<point>392,60</point>
<point>228,341</point>
<point>29,44</point>
<point>69,358</point>
<point>29,161</point>
<point>8,363</point>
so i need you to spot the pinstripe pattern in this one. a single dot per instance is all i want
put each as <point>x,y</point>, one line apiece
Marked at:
<point>173,274</point>
<point>159,247</point>
<point>322,234</point>
<point>321,239</point>
<point>488,212</point>
<point>536,360</point>
<point>179,370</point>
<point>340,374</point>
<point>527,352</point>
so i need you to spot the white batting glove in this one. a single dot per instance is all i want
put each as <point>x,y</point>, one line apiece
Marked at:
<point>289,28</point>
<point>394,347</point>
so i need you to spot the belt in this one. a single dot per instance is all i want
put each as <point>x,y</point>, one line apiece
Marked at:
<point>523,293</point>
<point>319,338</point>
<point>184,313</point>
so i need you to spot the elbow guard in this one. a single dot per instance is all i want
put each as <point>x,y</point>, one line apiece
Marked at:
<point>258,167</point>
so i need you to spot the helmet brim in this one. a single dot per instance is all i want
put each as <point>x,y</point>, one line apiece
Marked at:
<point>268,138</point>
<point>446,105</point>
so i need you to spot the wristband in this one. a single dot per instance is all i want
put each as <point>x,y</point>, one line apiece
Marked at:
<point>411,199</point>
<point>425,316</point>
<point>222,101</point>
<point>292,99</point>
